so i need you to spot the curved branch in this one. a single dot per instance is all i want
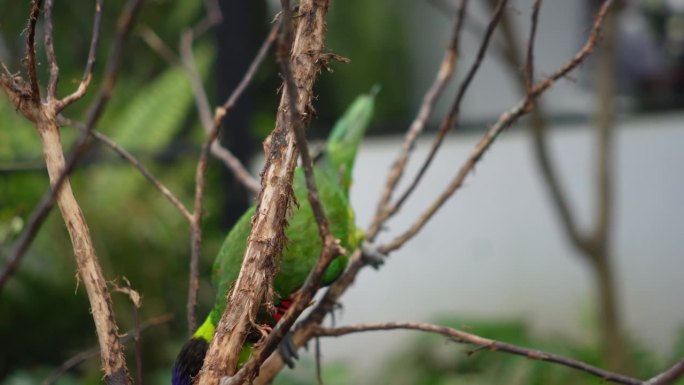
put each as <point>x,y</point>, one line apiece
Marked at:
<point>90,63</point>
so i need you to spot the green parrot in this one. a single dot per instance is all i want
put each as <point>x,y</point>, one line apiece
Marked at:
<point>333,173</point>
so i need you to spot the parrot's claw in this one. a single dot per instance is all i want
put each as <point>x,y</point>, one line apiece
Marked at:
<point>288,350</point>
<point>371,255</point>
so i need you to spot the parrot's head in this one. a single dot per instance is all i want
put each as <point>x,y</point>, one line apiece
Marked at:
<point>189,361</point>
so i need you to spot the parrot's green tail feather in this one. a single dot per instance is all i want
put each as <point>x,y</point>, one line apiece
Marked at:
<point>347,134</point>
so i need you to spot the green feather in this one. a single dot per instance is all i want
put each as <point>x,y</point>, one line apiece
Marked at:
<point>333,179</point>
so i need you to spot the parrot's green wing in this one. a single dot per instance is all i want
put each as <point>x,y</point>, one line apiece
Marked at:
<point>333,178</point>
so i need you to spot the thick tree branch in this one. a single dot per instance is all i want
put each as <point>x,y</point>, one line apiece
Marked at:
<point>44,117</point>
<point>213,128</point>
<point>111,350</point>
<point>267,239</point>
<point>19,94</point>
<point>331,246</point>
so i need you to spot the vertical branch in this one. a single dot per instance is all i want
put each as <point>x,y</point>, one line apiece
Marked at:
<point>529,63</point>
<point>331,246</point>
<point>267,239</point>
<point>196,230</point>
<point>592,246</point>
<point>44,117</point>
<point>111,350</point>
<point>31,50</point>
<point>50,52</point>
<point>212,128</point>
<point>538,128</point>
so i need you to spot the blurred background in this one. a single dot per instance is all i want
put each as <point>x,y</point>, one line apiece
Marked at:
<point>496,260</point>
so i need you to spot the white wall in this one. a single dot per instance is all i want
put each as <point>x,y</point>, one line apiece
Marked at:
<point>497,249</point>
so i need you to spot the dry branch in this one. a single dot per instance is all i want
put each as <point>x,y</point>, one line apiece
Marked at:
<point>331,246</point>
<point>267,239</point>
<point>213,128</point>
<point>486,343</point>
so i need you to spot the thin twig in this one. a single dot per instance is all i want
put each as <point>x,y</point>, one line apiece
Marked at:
<point>187,62</point>
<point>213,17</point>
<point>136,163</point>
<point>454,113</point>
<point>190,66</point>
<point>31,50</point>
<point>319,372</point>
<point>50,52</point>
<point>196,231</point>
<point>202,103</point>
<point>157,44</point>
<point>529,63</point>
<point>442,78</point>
<point>94,351</point>
<point>90,64</point>
<point>221,112</point>
<point>486,343</point>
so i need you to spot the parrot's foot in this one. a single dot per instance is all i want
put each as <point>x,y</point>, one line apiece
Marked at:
<point>288,350</point>
<point>371,255</point>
